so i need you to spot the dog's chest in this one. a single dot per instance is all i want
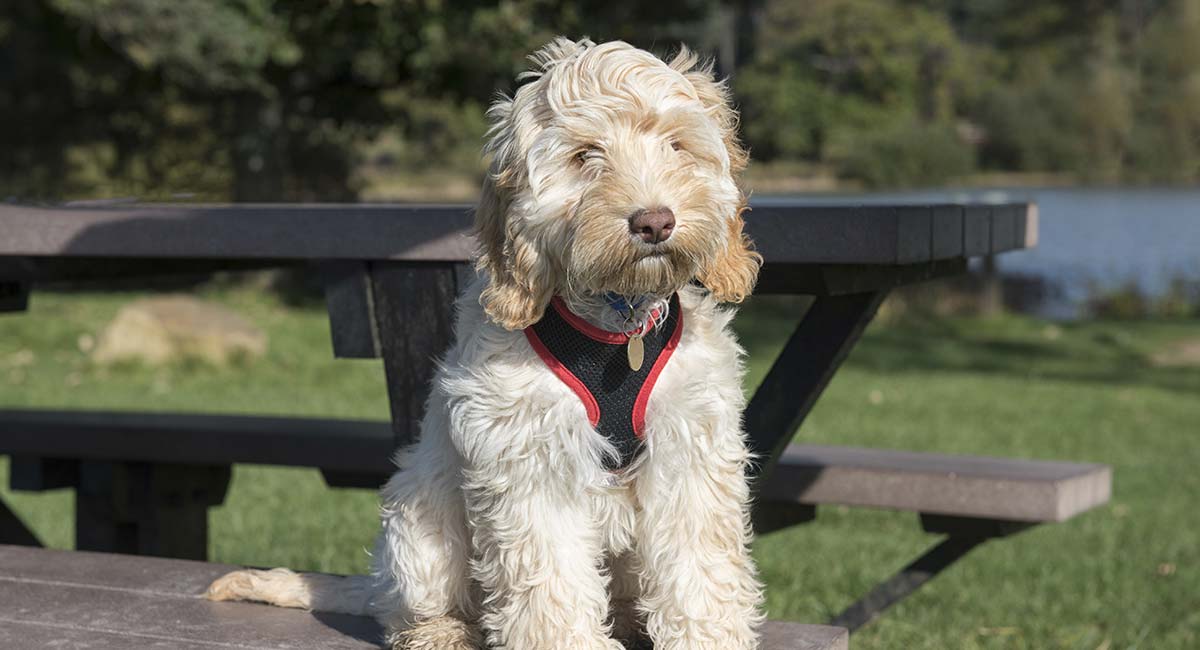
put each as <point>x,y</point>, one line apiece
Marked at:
<point>612,374</point>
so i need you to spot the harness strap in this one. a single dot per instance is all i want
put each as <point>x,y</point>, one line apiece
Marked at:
<point>593,363</point>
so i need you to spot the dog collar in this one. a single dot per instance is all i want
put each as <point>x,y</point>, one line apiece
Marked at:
<point>622,304</point>
<point>594,364</point>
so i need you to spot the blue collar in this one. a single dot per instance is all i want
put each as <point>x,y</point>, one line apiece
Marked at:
<point>621,304</point>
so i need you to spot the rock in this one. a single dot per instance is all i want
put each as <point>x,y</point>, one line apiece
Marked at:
<point>1180,354</point>
<point>166,329</point>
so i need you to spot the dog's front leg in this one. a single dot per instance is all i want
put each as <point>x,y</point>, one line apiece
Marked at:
<point>538,558</point>
<point>700,590</point>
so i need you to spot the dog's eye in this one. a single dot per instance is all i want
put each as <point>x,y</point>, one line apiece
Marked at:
<point>676,145</point>
<point>587,153</point>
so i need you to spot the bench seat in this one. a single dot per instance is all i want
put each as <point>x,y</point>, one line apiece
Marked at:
<point>980,487</point>
<point>75,599</point>
<point>358,453</point>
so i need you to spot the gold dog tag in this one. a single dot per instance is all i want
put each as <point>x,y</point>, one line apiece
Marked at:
<point>636,351</point>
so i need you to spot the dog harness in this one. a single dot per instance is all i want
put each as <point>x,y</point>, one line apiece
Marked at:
<point>598,366</point>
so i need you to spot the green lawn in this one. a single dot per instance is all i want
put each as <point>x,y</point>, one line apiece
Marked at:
<point>1124,576</point>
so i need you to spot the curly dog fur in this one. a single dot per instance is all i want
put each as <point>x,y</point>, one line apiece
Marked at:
<point>502,526</point>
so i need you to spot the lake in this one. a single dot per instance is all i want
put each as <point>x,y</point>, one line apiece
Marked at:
<point>1089,237</point>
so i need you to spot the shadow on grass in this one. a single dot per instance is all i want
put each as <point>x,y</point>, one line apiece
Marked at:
<point>1094,352</point>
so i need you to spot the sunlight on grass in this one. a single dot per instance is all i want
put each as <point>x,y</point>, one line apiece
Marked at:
<point>1122,576</point>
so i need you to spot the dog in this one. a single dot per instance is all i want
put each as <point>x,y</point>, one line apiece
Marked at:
<point>580,478</point>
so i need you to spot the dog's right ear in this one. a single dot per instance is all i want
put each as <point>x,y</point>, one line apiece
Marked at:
<point>518,286</point>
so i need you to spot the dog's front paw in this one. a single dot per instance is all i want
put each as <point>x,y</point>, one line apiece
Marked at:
<point>441,633</point>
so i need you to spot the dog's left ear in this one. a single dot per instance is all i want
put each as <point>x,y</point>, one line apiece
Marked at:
<point>732,274</point>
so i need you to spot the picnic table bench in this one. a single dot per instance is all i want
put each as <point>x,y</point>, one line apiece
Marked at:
<point>144,481</point>
<point>76,599</point>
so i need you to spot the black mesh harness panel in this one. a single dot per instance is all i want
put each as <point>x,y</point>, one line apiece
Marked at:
<point>594,363</point>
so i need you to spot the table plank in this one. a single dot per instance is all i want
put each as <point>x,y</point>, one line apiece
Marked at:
<point>197,439</point>
<point>95,600</point>
<point>789,234</point>
<point>107,602</point>
<point>940,484</point>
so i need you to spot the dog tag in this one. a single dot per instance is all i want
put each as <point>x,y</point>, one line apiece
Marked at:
<point>636,351</point>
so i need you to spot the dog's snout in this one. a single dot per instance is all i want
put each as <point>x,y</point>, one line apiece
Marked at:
<point>653,226</point>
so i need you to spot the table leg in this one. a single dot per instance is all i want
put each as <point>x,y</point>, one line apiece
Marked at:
<point>14,296</point>
<point>815,351</point>
<point>147,508</point>
<point>963,534</point>
<point>414,317</point>
<point>13,530</point>
<point>901,585</point>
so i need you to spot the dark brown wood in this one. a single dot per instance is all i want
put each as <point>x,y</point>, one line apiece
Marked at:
<point>947,234</point>
<point>365,480</point>
<point>414,307</point>
<point>13,530</point>
<point>86,269</point>
<point>351,305</point>
<point>1004,228</point>
<point>977,231</point>
<point>37,474</point>
<point>797,234</point>
<point>116,602</point>
<point>904,583</point>
<point>356,446</point>
<point>147,509</point>
<point>816,349</point>
<point>770,516</point>
<point>14,296</point>
<point>113,602</point>
<point>977,487</point>
<point>246,231</point>
<point>842,279</point>
<point>978,527</point>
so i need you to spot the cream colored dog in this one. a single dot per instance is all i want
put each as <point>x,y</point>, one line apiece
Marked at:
<point>612,174</point>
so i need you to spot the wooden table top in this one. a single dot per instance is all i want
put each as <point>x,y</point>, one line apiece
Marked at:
<point>784,234</point>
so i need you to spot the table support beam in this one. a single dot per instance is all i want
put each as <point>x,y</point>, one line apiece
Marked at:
<point>13,530</point>
<point>14,297</point>
<point>963,534</point>
<point>901,585</point>
<point>812,355</point>
<point>147,508</point>
<point>414,317</point>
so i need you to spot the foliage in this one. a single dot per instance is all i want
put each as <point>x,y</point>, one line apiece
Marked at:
<point>270,100</point>
<point>831,66</point>
<point>901,155</point>
<point>1129,300</point>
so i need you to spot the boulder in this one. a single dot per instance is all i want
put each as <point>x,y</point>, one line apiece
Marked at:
<point>1181,354</point>
<point>167,329</point>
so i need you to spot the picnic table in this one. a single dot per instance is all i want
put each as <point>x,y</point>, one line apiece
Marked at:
<point>144,481</point>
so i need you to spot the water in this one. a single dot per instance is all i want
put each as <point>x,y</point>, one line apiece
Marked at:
<point>1090,238</point>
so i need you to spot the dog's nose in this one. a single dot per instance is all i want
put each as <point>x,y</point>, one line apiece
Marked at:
<point>653,226</point>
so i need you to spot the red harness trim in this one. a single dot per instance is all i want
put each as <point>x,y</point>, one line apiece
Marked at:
<point>643,398</point>
<point>610,338</point>
<point>585,328</point>
<point>567,377</point>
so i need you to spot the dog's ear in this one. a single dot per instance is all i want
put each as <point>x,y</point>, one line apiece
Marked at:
<point>716,98</point>
<point>518,287</point>
<point>732,274</point>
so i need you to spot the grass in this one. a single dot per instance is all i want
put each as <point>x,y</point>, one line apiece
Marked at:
<point>1123,576</point>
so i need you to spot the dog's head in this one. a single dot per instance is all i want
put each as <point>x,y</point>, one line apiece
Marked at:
<point>612,171</point>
